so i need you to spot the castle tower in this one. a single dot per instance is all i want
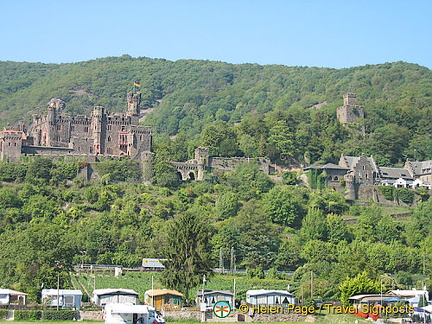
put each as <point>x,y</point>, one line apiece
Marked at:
<point>51,132</point>
<point>96,127</point>
<point>133,101</point>
<point>202,158</point>
<point>10,145</point>
<point>350,186</point>
<point>350,99</point>
<point>350,112</point>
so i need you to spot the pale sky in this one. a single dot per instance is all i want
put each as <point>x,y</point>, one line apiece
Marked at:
<point>323,33</point>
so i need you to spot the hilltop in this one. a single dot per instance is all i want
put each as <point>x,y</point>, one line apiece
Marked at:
<point>194,98</point>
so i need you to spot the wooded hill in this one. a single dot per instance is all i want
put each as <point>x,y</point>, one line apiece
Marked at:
<point>285,113</point>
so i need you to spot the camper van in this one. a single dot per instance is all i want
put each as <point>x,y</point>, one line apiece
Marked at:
<point>131,314</point>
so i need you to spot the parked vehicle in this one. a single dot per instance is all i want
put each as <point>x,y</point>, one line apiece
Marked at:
<point>131,314</point>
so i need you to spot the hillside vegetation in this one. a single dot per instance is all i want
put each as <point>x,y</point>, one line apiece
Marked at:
<point>285,113</point>
<point>288,114</point>
<point>48,215</point>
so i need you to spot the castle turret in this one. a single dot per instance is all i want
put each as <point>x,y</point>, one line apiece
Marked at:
<point>10,145</point>
<point>96,126</point>
<point>350,186</point>
<point>350,112</point>
<point>133,100</point>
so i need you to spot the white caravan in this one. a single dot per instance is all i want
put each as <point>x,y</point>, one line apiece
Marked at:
<point>131,314</point>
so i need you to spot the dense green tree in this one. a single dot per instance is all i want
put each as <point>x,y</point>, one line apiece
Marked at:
<point>314,226</point>
<point>285,205</point>
<point>360,284</point>
<point>187,252</point>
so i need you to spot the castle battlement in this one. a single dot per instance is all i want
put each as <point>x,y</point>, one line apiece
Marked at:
<point>101,133</point>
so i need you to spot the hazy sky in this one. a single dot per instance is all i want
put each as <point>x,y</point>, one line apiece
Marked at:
<point>323,33</point>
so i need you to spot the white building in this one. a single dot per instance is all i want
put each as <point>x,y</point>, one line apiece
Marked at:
<point>64,298</point>
<point>102,297</point>
<point>9,296</point>
<point>269,297</point>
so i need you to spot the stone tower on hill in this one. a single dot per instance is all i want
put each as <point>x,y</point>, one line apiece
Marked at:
<point>350,112</point>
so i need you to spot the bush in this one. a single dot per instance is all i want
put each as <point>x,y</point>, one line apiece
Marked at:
<point>387,191</point>
<point>3,313</point>
<point>62,315</point>
<point>289,178</point>
<point>25,315</point>
<point>406,195</point>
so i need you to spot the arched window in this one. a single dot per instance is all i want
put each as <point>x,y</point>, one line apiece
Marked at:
<point>109,139</point>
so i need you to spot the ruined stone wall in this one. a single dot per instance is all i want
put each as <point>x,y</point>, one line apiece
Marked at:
<point>232,162</point>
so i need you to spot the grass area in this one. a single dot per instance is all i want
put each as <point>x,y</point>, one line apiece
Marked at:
<point>327,319</point>
<point>323,319</point>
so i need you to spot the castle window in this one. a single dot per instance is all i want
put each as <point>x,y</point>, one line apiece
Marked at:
<point>109,127</point>
<point>123,128</point>
<point>14,143</point>
<point>109,139</point>
<point>58,139</point>
<point>59,127</point>
<point>90,149</point>
<point>141,137</point>
<point>72,128</point>
<point>86,129</point>
<point>9,143</point>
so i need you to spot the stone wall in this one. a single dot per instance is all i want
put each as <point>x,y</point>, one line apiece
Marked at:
<point>181,315</point>
<point>90,316</point>
<point>232,162</point>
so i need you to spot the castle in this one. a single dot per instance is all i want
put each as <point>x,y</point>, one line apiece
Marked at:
<point>103,135</point>
<point>58,133</point>
<point>351,112</point>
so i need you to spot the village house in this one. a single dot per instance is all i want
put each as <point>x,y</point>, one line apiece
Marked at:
<point>211,297</point>
<point>64,298</point>
<point>163,298</point>
<point>102,297</point>
<point>9,296</point>
<point>270,297</point>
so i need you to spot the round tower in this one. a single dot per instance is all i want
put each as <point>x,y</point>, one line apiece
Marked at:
<point>350,186</point>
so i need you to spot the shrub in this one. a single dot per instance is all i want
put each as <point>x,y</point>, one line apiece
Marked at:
<point>406,195</point>
<point>387,191</point>
<point>3,313</point>
<point>62,315</point>
<point>25,315</point>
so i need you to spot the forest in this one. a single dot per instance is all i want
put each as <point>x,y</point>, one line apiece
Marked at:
<point>47,215</point>
<point>287,114</point>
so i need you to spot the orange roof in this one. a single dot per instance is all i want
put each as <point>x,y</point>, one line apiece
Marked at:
<point>13,131</point>
<point>160,292</point>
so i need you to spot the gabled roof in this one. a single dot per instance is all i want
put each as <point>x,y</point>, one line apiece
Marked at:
<point>370,297</point>
<point>327,166</point>
<point>421,167</point>
<point>11,292</point>
<point>351,161</point>
<point>53,292</point>
<point>161,292</point>
<point>119,291</point>
<point>259,292</point>
<point>395,173</point>
<point>215,292</point>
